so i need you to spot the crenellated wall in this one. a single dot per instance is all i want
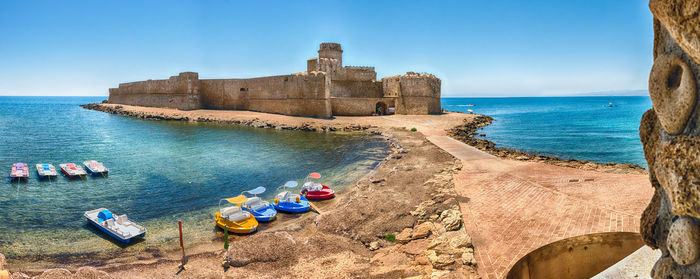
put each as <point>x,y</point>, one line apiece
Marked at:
<point>325,89</point>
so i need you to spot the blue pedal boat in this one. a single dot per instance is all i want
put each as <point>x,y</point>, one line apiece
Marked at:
<point>262,211</point>
<point>118,227</point>
<point>288,202</point>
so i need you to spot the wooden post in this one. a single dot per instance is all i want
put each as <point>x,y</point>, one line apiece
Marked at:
<point>182,246</point>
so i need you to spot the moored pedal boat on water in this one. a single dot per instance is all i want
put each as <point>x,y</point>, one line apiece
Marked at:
<point>95,168</point>
<point>72,170</point>
<point>46,171</point>
<point>19,172</point>
<point>118,227</point>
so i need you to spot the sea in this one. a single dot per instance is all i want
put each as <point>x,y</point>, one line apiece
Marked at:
<point>159,172</point>
<point>600,129</point>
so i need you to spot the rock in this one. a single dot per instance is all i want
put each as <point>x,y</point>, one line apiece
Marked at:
<point>451,219</point>
<point>422,260</point>
<point>684,241</point>
<point>226,259</point>
<point>434,217</point>
<point>374,246</point>
<point>672,90</point>
<point>404,236</point>
<point>3,262</point>
<point>20,275</point>
<point>422,230</point>
<point>91,273</point>
<point>56,273</point>
<point>468,257</point>
<point>461,240</point>
<point>440,261</point>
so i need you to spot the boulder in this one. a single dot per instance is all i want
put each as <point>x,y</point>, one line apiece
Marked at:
<point>422,230</point>
<point>404,236</point>
<point>451,219</point>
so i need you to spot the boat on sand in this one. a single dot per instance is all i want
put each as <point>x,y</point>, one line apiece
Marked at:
<point>262,211</point>
<point>234,219</point>
<point>315,191</point>
<point>118,227</point>
<point>288,202</point>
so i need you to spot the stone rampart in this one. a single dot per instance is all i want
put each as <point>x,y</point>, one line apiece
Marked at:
<point>355,88</point>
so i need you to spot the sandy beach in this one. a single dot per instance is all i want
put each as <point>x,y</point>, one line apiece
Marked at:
<point>429,199</point>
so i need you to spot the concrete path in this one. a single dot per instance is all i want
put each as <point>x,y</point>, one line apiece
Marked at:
<point>513,207</point>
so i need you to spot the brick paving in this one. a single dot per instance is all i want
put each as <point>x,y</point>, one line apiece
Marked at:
<point>515,207</point>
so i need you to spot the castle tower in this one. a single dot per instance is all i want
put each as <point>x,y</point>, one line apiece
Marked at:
<point>331,50</point>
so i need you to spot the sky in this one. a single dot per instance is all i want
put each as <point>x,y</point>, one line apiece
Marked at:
<point>477,48</point>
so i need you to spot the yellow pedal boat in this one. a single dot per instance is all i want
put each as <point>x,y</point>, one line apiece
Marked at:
<point>234,218</point>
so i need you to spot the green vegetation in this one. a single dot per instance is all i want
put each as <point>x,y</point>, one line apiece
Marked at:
<point>390,237</point>
<point>414,129</point>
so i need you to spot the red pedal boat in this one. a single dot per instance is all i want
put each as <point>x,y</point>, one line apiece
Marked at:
<point>315,191</point>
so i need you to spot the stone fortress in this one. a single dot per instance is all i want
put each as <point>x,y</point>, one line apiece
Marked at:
<point>327,88</point>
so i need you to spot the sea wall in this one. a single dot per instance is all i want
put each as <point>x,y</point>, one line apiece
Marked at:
<point>181,91</point>
<point>670,135</point>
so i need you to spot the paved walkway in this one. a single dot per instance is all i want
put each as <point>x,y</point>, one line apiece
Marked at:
<point>513,207</point>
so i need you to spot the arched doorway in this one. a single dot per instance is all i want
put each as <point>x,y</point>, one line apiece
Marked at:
<point>380,108</point>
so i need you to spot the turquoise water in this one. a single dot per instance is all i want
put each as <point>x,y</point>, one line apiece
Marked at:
<point>565,127</point>
<point>160,171</point>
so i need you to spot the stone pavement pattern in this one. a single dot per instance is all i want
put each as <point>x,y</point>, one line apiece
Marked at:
<point>511,208</point>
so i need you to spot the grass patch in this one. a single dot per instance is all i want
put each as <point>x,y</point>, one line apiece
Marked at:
<point>390,237</point>
<point>414,129</point>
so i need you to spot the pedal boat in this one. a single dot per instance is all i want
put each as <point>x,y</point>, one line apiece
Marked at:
<point>46,171</point>
<point>315,191</point>
<point>72,170</point>
<point>95,168</point>
<point>118,227</point>
<point>19,172</point>
<point>262,211</point>
<point>288,202</point>
<point>234,219</point>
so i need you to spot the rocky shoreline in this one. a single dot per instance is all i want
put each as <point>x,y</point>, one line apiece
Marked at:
<point>402,220</point>
<point>468,134</point>
<point>254,123</point>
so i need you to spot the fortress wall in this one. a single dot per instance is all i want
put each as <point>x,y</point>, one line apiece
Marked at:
<point>419,94</point>
<point>355,73</point>
<point>303,94</point>
<point>181,91</point>
<point>358,106</point>
<point>224,94</point>
<point>356,89</point>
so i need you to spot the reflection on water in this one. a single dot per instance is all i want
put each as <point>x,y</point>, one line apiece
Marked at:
<point>160,171</point>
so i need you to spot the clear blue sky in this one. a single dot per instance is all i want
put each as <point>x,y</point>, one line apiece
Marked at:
<point>477,48</point>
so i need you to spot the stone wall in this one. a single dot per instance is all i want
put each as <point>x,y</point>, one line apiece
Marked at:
<point>302,94</point>
<point>670,135</point>
<point>181,91</point>
<point>359,106</point>
<point>417,93</point>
